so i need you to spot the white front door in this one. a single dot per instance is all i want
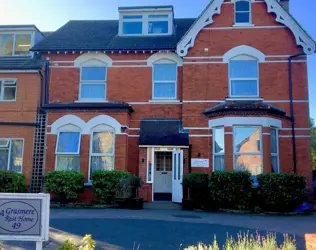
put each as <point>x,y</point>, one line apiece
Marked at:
<point>177,174</point>
<point>163,172</point>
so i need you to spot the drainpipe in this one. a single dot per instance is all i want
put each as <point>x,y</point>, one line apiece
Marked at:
<point>292,108</point>
<point>46,87</point>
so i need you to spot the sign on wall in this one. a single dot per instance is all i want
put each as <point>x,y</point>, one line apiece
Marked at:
<point>199,163</point>
<point>24,217</point>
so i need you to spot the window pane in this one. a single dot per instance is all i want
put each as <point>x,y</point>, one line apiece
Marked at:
<point>252,163</point>
<point>133,17</point>
<point>132,28</point>
<point>102,163</point>
<point>242,6</point>
<point>92,91</point>
<point>6,45</point>
<point>71,163</point>
<point>16,159</point>
<point>164,90</point>
<point>247,139</point>
<point>93,73</point>
<point>219,144</point>
<point>219,162</point>
<point>274,164</point>
<point>273,141</point>
<point>158,27</point>
<point>102,142</point>
<point>22,44</point>
<point>244,88</point>
<point>243,17</point>
<point>4,159</point>
<point>165,72</point>
<point>243,69</point>
<point>68,142</point>
<point>9,93</point>
<point>158,16</point>
<point>4,143</point>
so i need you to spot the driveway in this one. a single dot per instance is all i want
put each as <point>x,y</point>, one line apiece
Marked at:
<point>163,229</point>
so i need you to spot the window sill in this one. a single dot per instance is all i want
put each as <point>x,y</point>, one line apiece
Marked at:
<point>244,99</point>
<point>7,101</point>
<point>243,25</point>
<point>164,101</point>
<point>91,100</point>
<point>88,184</point>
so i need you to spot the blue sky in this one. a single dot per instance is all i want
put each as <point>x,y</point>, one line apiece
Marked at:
<point>49,15</point>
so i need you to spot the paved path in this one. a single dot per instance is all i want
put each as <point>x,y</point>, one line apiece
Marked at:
<point>163,229</point>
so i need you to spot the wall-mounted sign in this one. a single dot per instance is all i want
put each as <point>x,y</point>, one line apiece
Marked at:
<point>199,163</point>
<point>24,217</point>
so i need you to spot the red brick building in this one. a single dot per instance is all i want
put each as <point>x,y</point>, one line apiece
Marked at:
<point>160,96</point>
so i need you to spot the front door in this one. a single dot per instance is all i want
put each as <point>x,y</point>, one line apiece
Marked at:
<point>177,174</point>
<point>162,176</point>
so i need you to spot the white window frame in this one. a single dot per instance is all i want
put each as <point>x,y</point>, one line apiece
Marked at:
<point>248,153</point>
<point>2,83</point>
<point>66,130</point>
<point>150,151</point>
<point>145,22</point>
<point>277,154</point>
<point>91,154</point>
<point>164,61</point>
<point>214,153</point>
<point>13,46</point>
<point>250,13</point>
<point>9,146</point>
<point>243,58</point>
<point>93,64</point>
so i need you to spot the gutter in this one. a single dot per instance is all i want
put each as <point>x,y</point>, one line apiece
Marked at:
<point>292,109</point>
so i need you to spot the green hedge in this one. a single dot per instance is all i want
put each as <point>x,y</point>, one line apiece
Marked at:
<point>66,185</point>
<point>195,188</point>
<point>12,182</point>
<point>281,192</point>
<point>231,189</point>
<point>106,183</point>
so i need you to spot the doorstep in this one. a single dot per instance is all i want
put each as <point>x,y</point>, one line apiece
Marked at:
<point>163,205</point>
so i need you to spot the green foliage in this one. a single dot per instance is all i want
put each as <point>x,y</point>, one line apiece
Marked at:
<point>195,188</point>
<point>106,183</point>
<point>281,192</point>
<point>87,244</point>
<point>128,187</point>
<point>231,189</point>
<point>66,185</point>
<point>314,158</point>
<point>313,134</point>
<point>12,182</point>
<point>249,242</point>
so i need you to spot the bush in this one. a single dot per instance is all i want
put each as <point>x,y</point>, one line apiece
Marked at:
<point>195,188</point>
<point>87,244</point>
<point>249,242</point>
<point>281,192</point>
<point>231,189</point>
<point>66,185</point>
<point>106,183</point>
<point>129,187</point>
<point>12,182</point>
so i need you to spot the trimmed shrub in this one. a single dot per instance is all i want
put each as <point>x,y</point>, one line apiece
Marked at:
<point>195,188</point>
<point>12,182</point>
<point>281,192</point>
<point>129,187</point>
<point>106,183</point>
<point>231,189</point>
<point>66,185</point>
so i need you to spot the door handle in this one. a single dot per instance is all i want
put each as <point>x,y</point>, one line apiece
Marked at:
<point>164,173</point>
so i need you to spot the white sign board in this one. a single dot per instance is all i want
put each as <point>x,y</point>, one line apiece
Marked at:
<point>199,163</point>
<point>24,217</point>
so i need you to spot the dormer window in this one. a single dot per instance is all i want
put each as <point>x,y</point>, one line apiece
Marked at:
<point>146,21</point>
<point>15,44</point>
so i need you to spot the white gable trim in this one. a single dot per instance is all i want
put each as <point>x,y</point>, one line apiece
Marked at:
<point>74,122</point>
<point>93,57</point>
<point>214,7</point>
<point>160,57</point>
<point>243,50</point>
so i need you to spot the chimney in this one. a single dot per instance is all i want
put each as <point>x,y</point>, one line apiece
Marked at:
<point>285,4</point>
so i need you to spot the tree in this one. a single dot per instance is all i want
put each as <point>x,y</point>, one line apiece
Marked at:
<point>313,134</point>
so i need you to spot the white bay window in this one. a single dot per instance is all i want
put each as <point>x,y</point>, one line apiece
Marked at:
<point>67,151</point>
<point>102,150</point>
<point>11,154</point>
<point>218,149</point>
<point>248,149</point>
<point>164,81</point>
